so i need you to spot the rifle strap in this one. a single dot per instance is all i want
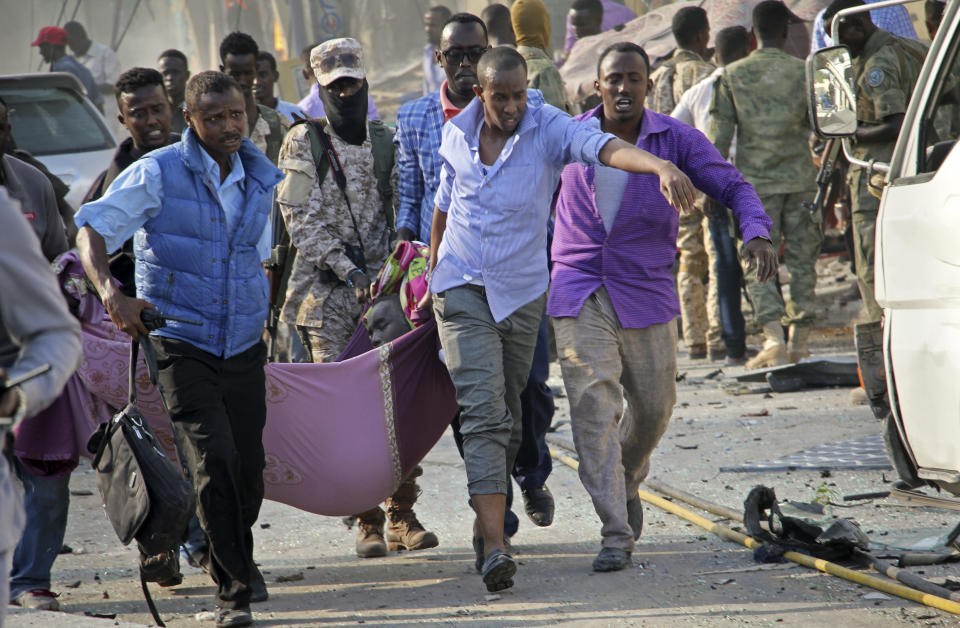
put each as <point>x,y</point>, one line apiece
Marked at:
<point>318,135</point>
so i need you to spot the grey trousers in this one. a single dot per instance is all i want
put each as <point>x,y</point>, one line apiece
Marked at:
<point>489,363</point>
<point>601,364</point>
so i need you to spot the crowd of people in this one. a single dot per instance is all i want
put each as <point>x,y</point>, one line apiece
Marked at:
<point>536,211</point>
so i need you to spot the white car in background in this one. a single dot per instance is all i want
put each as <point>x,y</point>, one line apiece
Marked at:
<point>917,264</point>
<point>52,119</point>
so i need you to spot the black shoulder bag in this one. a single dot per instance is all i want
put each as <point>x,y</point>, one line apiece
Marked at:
<point>144,493</point>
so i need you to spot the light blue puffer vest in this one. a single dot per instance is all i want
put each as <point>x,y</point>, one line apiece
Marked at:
<point>187,266</point>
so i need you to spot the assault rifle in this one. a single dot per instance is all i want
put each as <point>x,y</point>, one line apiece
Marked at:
<point>828,162</point>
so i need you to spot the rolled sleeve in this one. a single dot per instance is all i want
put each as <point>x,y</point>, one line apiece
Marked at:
<point>891,102</point>
<point>133,198</point>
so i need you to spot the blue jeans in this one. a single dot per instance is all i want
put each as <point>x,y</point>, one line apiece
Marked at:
<point>729,280</point>
<point>46,502</point>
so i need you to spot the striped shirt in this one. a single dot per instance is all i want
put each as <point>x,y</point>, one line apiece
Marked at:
<point>419,131</point>
<point>634,258</point>
<point>497,215</point>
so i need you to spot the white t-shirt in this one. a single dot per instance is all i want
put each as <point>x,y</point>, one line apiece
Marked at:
<point>102,62</point>
<point>694,108</point>
<point>609,185</point>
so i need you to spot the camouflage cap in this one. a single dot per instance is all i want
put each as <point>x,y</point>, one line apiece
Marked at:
<point>337,58</point>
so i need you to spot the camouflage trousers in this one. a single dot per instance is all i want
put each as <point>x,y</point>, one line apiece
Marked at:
<point>699,304</point>
<point>341,315</point>
<point>802,234</point>
<point>864,208</point>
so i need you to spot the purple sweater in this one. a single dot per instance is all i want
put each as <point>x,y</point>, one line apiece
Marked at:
<point>634,261</point>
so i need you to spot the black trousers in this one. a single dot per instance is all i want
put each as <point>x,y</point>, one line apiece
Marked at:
<point>218,408</point>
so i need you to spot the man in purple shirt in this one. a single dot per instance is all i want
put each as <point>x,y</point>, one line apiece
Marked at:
<point>612,296</point>
<point>501,164</point>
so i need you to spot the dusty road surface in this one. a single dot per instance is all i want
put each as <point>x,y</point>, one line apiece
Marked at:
<point>681,575</point>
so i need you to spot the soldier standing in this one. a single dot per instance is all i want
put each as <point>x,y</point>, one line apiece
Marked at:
<point>342,239</point>
<point>756,97</point>
<point>886,69</point>
<point>684,69</point>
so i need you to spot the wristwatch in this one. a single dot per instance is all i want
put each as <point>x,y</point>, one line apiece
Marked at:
<point>351,274</point>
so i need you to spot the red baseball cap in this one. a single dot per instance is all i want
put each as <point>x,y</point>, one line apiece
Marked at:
<point>51,35</point>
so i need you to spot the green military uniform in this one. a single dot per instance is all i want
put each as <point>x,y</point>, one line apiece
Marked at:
<point>886,72</point>
<point>680,72</point>
<point>543,74</point>
<point>701,324</point>
<point>760,98</point>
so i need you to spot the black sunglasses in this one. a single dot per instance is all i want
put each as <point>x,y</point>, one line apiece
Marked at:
<point>456,55</point>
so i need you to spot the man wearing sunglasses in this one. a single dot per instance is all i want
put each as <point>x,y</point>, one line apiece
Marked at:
<point>463,41</point>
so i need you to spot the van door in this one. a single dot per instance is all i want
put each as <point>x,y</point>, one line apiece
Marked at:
<point>918,265</point>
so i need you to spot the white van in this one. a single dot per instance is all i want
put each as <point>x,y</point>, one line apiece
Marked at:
<point>917,252</point>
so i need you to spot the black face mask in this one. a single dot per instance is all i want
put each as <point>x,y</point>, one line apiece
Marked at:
<point>347,116</point>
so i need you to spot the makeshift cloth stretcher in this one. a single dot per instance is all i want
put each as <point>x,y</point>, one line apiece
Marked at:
<point>339,438</point>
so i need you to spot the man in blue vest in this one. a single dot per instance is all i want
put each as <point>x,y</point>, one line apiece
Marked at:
<point>198,211</point>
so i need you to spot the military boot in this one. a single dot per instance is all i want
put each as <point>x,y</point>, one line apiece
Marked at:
<point>797,345</point>
<point>370,543</point>
<point>403,529</point>
<point>774,352</point>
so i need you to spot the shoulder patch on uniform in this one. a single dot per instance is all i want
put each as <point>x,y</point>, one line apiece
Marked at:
<point>875,77</point>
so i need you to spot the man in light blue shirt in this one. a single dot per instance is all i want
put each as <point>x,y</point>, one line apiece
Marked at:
<point>501,165</point>
<point>199,214</point>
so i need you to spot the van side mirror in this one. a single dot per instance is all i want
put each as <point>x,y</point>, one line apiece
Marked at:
<point>831,93</point>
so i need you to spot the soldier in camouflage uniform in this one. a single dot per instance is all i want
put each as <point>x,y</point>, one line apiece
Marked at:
<point>756,97</point>
<point>335,240</point>
<point>702,328</point>
<point>886,68</point>
<point>531,25</point>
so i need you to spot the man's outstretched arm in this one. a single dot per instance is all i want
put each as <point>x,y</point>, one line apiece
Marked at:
<point>674,184</point>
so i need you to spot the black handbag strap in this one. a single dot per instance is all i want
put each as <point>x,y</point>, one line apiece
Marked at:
<point>150,604</point>
<point>132,372</point>
<point>114,425</point>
